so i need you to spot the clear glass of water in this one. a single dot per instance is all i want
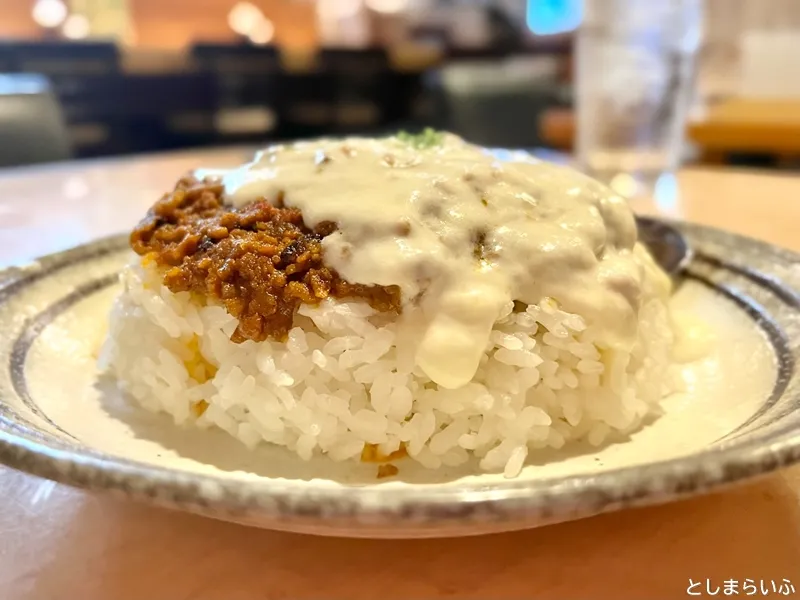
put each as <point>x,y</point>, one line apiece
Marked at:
<point>635,65</point>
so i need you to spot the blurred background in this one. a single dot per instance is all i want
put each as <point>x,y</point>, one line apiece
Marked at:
<point>91,78</point>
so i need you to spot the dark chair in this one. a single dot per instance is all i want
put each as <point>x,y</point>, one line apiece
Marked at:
<point>67,65</point>
<point>32,128</point>
<point>309,104</point>
<point>362,87</point>
<point>139,113</point>
<point>496,104</point>
<point>63,63</point>
<point>63,58</point>
<point>461,53</point>
<point>6,59</point>
<point>248,89</point>
<point>409,102</point>
<point>236,58</point>
<point>168,111</point>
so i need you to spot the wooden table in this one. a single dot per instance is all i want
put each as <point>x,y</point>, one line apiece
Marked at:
<point>742,125</point>
<point>735,126</point>
<point>57,543</point>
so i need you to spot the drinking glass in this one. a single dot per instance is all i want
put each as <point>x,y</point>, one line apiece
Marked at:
<point>634,84</point>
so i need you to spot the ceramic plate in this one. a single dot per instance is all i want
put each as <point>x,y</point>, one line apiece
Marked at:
<point>738,418</point>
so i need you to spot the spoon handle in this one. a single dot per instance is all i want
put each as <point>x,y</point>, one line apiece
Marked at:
<point>666,243</point>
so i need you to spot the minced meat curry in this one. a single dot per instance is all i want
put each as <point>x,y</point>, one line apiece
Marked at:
<point>260,261</point>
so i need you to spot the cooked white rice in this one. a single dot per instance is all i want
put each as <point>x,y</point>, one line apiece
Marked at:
<point>339,382</point>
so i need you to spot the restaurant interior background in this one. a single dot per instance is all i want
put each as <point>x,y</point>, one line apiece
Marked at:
<point>91,78</point>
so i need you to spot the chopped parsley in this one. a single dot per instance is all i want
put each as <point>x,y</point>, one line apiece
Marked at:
<point>428,138</point>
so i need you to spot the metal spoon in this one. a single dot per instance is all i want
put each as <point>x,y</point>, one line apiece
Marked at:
<point>667,245</point>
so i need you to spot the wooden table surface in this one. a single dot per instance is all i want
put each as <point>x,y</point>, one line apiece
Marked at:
<point>749,125</point>
<point>58,543</point>
<point>737,125</point>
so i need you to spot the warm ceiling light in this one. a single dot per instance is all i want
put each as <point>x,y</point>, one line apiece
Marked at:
<point>49,13</point>
<point>76,27</point>
<point>387,6</point>
<point>339,9</point>
<point>244,18</point>
<point>263,32</point>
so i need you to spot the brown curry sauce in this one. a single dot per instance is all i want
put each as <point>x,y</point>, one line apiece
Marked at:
<point>259,261</point>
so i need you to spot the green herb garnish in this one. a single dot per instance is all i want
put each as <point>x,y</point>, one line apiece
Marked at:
<point>427,139</point>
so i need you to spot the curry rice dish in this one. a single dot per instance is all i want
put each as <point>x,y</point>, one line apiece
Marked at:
<point>394,299</point>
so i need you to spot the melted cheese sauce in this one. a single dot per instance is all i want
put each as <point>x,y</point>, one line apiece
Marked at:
<point>463,234</point>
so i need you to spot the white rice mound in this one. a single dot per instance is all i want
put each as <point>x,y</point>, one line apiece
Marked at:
<point>339,381</point>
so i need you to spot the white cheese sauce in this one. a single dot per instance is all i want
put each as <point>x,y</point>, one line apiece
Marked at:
<point>462,233</point>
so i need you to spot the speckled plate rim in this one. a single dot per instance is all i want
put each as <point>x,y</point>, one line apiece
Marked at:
<point>764,279</point>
